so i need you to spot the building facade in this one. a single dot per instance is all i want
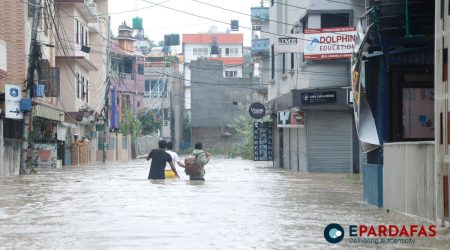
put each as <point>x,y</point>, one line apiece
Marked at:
<point>308,91</point>
<point>164,94</point>
<point>216,103</point>
<point>227,48</point>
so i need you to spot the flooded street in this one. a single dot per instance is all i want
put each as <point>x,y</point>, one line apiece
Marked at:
<point>242,205</point>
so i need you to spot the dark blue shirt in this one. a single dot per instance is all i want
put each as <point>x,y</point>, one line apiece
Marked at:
<point>159,159</point>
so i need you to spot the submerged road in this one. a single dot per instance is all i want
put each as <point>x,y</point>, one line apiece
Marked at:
<point>242,205</point>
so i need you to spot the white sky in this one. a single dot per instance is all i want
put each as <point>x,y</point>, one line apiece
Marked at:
<point>159,21</point>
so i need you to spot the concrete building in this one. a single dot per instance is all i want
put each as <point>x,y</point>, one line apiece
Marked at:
<point>214,103</point>
<point>405,83</point>
<point>164,94</point>
<point>81,55</point>
<point>260,46</point>
<point>227,48</point>
<point>14,49</point>
<point>308,88</point>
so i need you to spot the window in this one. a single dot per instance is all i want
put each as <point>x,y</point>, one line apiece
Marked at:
<point>81,35</point>
<point>230,73</point>
<point>78,33</point>
<point>83,89</point>
<point>335,20</point>
<point>292,60</point>
<point>87,90</point>
<point>200,52</point>
<point>140,69</point>
<point>156,88</point>
<point>231,51</point>
<point>272,62</point>
<point>78,85</point>
<point>284,63</point>
<point>271,2</point>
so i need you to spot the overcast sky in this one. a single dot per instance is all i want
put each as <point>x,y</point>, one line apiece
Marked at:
<point>159,20</point>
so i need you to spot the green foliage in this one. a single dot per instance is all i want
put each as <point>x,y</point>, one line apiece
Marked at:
<point>150,123</point>
<point>130,123</point>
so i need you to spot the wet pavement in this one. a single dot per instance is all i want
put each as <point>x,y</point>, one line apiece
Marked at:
<point>242,205</point>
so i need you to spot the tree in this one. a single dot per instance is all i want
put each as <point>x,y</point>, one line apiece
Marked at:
<point>150,122</point>
<point>130,123</point>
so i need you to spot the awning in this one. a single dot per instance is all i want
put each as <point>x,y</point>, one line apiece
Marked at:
<point>48,113</point>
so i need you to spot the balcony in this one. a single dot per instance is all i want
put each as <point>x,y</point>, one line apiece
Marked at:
<point>261,46</point>
<point>259,14</point>
<point>88,8</point>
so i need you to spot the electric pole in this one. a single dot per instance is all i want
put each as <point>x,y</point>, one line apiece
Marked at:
<point>32,61</point>
<point>108,72</point>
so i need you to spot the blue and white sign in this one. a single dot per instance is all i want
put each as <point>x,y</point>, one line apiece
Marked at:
<point>13,95</point>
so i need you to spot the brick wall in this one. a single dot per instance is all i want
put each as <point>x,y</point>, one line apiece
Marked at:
<point>13,15</point>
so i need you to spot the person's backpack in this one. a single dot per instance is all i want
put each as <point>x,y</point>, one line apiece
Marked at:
<point>191,165</point>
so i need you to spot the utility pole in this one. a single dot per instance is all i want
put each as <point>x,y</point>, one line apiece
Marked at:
<point>108,72</point>
<point>32,61</point>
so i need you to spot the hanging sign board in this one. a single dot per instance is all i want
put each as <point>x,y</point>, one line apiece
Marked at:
<point>262,141</point>
<point>13,95</point>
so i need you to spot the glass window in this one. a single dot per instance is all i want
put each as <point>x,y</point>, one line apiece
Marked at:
<point>335,20</point>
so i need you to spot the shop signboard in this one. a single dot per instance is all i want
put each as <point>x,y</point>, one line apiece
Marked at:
<point>13,95</point>
<point>262,141</point>
<point>257,110</point>
<point>329,43</point>
<point>291,119</point>
<point>327,97</point>
<point>289,43</point>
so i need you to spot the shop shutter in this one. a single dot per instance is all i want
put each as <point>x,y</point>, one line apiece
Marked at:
<point>302,155</point>
<point>286,153</point>
<point>293,148</point>
<point>276,147</point>
<point>330,142</point>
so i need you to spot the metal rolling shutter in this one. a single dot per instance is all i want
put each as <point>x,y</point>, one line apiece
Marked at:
<point>276,147</point>
<point>293,148</point>
<point>302,155</point>
<point>330,142</point>
<point>286,160</point>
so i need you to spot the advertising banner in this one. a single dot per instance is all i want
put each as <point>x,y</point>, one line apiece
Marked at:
<point>364,121</point>
<point>290,119</point>
<point>329,43</point>
<point>262,141</point>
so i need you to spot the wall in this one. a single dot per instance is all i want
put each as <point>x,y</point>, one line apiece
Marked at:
<point>212,96</point>
<point>9,155</point>
<point>12,18</point>
<point>408,181</point>
<point>214,136</point>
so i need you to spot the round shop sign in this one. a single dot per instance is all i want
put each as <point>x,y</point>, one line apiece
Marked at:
<point>257,110</point>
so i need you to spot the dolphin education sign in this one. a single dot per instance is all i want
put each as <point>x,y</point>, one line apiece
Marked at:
<point>329,43</point>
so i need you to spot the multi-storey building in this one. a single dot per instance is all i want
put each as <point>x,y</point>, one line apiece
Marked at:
<point>216,47</point>
<point>164,97</point>
<point>260,46</point>
<point>308,89</point>
<point>82,42</point>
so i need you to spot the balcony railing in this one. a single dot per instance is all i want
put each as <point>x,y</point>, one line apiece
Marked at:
<point>127,76</point>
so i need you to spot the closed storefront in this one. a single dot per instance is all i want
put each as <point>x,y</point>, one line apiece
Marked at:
<point>276,147</point>
<point>286,149</point>
<point>302,152</point>
<point>293,148</point>
<point>329,136</point>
